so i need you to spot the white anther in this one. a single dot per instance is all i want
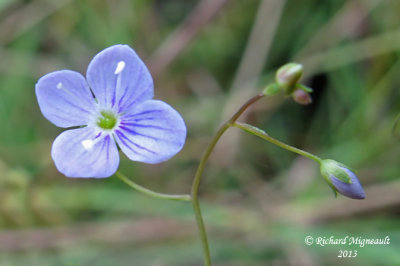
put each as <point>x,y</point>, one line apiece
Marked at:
<point>87,144</point>
<point>59,85</point>
<point>120,67</point>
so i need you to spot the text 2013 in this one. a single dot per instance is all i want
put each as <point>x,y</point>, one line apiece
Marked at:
<point>347,254</point>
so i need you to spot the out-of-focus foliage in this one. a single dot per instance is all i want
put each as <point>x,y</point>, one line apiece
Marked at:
<point>259,201</point>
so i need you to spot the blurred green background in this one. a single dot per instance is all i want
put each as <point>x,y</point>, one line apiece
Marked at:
<point>207,57</point>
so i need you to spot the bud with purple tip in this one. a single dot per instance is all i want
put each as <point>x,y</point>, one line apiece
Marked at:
<point>341,179</point>
<point>301,97</point>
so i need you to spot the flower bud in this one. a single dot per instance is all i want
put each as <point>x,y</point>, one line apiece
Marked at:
<point>301,97</point>
<point>272,89</point>
<point>341,179</point>
<point>288,75</point>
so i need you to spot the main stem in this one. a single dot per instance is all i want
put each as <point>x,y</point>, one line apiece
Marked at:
<point>199,173</point>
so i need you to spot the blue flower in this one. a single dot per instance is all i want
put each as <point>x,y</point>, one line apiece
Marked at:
<point>113,106</point>
<point>341,179</point>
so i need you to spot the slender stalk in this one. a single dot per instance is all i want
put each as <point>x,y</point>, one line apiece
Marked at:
<point>395,124</point>
<point>149,192</point>
<point>199,173</point>
<point>260,133</point>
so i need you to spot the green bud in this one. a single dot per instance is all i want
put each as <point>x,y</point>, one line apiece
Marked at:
<point>272,89</point>
<point>331,167</point>
<point>341,179</point>
<point>288,75</point>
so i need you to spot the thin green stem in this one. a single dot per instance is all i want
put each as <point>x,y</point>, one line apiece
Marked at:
<point>149,192</point>
<point>395,125</point>
<point>199,173</point>
<point>195,194</point>
<point>262,134</point>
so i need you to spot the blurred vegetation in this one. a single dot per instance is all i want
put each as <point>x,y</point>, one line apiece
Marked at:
<point>207,57</point>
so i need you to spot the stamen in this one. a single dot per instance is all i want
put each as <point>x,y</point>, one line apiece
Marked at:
<point>120,67</point>
<point>87,144</point>
<point>59,85</point>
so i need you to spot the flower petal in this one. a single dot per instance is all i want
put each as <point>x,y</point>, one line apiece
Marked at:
<point>65,98</point>
<point>353,190</point>
<point>119,78</point>
<point>85,152</point>
<point>151,133</point>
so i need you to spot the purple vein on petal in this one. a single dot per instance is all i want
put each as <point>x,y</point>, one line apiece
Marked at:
<point>121,98</point>
<point>95,158</point>
<point>130,104</point>
<point>116,88</point>
<point>146,126</point>
<point>122,136</point>
<point>63,110</point>
<point>76,106</point>
<point>124,142</point>
<point>144,118</point>
<point>139,77</point>
<point>73,145</point>
<point>108,148</point>
<point>113,101</point>
<point>133,132</point>
<point>62,117</point>
<point>126,90</point>
<point>104,143</point>
<point>142,113</point>
<point>76,94</point>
